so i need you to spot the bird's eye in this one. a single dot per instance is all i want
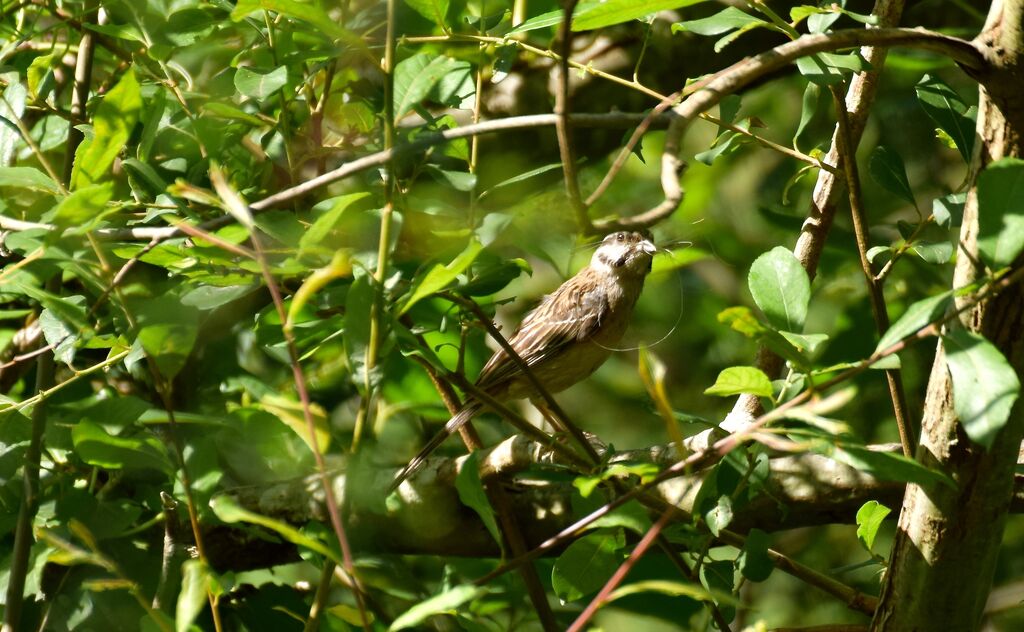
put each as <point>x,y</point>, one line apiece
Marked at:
<point>620,237</point>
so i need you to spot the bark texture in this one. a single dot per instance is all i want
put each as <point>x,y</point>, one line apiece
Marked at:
<point>948,540</point>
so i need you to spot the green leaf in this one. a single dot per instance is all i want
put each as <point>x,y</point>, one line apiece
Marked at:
<point>672,588</point>
<point>741,379</point>
<point>167,331</point>
<point>433,10</point>
<point>609,12</point>
<point>551,18</point>
<point>195,583</point>
<point>753,560</point>
<point>83,208</point>
<point>227,509</point>
<point>1001,212</point>
<point>230,112</point>
<point>810,105</point>
<point>28,178</point>
<point>39,75</point>
<point>115,117</point>
<point>948,207</point>
<point>94,446</point>
<point>918,315</point>
<point>416,76</point>
<point>59,334</point>
<point>720,515</point>
<point>985,386</point>
<point>586,564</point>
<point>326,223</point>
<point>780,287</point>
<point>869,519</point>
<point>887,170</point>
<point>944,106</point>
<point>725,20</point>
<point>305,12</point>
<point>473,495</point>
<point>829,68</point>
<point>886,466</point>
<point>12,106</point>
<point>447,602</point>
<point>260,85</point>
<point>440,276</point>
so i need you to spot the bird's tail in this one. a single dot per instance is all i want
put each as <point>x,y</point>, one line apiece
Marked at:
<point>464,415</point>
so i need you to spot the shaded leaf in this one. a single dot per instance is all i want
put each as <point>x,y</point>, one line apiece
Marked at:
<point>944,106</point>
<point>94,446</point>
<point>753,560</point>
<point>473,495</point>
<point>167,331</point>
<point>887,170</point>
<point>586,565</point>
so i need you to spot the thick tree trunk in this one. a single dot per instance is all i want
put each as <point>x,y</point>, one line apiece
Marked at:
<point>945,551</point>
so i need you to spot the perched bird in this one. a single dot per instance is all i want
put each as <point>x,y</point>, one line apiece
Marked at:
<point>567,337</point>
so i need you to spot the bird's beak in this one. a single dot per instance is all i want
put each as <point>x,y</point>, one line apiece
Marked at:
<point>647,247</point>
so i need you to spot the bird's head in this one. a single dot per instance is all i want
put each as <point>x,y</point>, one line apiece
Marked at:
<point>625,252</point>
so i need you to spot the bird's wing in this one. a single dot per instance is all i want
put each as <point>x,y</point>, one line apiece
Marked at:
<point>572,313</point>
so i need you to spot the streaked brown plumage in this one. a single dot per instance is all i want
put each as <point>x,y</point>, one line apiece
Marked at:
<point>568,336</point>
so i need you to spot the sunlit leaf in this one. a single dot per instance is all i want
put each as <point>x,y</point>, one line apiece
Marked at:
<point>445,603</point>
<point>918,315</point>
<point>780,287</point>
<point>440,276</point>
<point>599,14</point>
<point>115,117</point>
<point>433,10</point>
<point>869,519</point>
<point>741,379</point>
<point>1001,212</point>
<point>985,386</point>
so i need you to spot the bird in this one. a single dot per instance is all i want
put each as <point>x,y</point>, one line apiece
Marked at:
<point>565,338</point>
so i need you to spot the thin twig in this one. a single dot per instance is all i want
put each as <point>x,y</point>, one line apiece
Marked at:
<point>848,161</point>
<point>23,537</point>
<point>563,127</point>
